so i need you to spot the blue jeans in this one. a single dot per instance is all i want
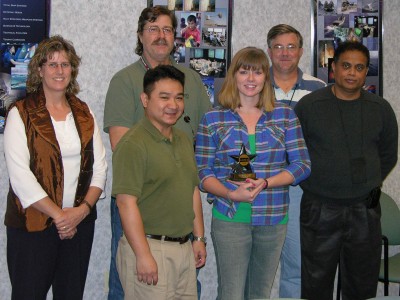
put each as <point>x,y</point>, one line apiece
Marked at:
<point>247,258</point>
<point>115,290</point>
<point>290,280</point>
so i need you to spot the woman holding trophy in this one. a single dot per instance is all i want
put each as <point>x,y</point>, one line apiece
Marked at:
<point>248,151</point>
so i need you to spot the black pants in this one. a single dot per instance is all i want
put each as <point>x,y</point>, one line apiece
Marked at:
<point>38,260</point>
<point>331,234</point>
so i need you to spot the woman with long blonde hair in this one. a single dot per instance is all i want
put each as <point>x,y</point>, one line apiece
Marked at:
<point>250,215</point>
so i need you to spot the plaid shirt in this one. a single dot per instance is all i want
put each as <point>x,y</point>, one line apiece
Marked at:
<point>279,146</point>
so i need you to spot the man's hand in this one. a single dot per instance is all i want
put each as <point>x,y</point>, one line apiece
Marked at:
<point>147,271</point>
<point>200,253</point>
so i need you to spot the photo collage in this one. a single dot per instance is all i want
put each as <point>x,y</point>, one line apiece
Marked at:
<point>19,38</point>
<point>202,40</point>
<point>337,21</point>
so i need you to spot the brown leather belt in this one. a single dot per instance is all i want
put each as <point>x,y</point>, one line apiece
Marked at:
<point>180,240</point>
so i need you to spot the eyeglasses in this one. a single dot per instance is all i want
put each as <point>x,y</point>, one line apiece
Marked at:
<point>153,30</point>
<point>289,48</point>
<point>53,65</point>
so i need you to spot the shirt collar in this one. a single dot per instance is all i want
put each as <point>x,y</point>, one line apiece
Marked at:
<point>146,65</point>
<point>298,84</point>
<point>155,133</point>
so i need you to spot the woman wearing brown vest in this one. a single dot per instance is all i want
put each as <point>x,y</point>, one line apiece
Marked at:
<point>56,164</point>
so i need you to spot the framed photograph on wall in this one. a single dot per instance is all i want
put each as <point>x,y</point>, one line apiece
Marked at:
<point>24,24</point>
<point>335,21</point>
<point>203,38</point>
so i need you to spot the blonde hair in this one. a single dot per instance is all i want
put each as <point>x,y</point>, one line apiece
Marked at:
<point>45,50</point>
<point>249,58</point>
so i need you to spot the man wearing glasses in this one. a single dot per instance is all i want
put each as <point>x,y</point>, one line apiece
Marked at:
<point>285,48</point>
<point>123,108</point>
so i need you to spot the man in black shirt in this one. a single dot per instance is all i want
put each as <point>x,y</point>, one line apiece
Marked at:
<point>352,138</point>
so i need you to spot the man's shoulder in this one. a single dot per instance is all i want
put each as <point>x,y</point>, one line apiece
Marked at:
<point>367,96</point>
<point>320,94</point>
<point>133,134</point>
<point>135,138</point>
<point>371,97</point>
<point>311,83</point>
<point>132,70</point>
<point>309,77</point>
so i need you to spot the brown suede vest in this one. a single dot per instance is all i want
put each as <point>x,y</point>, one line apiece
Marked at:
<point>46,161</point>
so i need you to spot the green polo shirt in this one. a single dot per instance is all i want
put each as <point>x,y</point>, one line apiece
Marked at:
<point>161,173</point>
<point>123,106</point>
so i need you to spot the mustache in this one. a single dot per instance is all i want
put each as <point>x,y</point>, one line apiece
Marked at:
<point>160,41</point>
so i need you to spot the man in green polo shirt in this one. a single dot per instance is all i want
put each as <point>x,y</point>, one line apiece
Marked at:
<point>155,183</point>
<point>155,41</point>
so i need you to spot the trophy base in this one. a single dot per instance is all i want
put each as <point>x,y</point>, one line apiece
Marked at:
<point>242,177</point>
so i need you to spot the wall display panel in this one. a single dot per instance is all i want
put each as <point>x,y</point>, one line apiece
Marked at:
<point>23,24</point>
<point>336,21</point>
<point>203,38</point>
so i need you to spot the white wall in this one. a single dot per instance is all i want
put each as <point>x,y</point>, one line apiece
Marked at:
<point>104,34</point>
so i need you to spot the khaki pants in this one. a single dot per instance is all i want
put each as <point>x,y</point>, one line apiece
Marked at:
<point>176,271</point>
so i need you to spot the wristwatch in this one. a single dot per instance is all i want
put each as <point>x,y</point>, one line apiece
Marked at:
<point>200,239</point>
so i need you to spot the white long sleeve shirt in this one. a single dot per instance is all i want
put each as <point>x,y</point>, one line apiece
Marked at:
<point>24,182</point>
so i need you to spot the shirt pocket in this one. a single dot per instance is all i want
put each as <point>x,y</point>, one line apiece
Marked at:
<point>228,142</point>
<point>273,137</point>
<point>271,147</point>
<point>225,138</point>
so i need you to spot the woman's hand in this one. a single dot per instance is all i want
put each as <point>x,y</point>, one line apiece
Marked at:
<point>69,219</point>
<point>67,233</point>
<point>247,190</point>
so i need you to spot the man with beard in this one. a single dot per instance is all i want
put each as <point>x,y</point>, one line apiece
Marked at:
<point>123,107</point>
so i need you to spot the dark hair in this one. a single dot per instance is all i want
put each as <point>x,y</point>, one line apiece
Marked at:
<point>45,50</point>
<point>191,18</point>
<point>9,47</point>
<point>283,29</point>
<point>161,72</point>
<point>351,46</point>
<point>150,14</point>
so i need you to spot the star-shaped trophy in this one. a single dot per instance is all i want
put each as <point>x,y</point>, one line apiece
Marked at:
<point>241,170</point>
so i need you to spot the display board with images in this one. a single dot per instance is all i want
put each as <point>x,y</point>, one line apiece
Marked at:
<point>203,38</point>
<point>24,24</point>
<point>336,21</point>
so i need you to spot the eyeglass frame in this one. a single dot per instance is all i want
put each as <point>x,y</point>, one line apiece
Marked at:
<point>289,48</point>
<point>157,30</point>
<point>54,65</point>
